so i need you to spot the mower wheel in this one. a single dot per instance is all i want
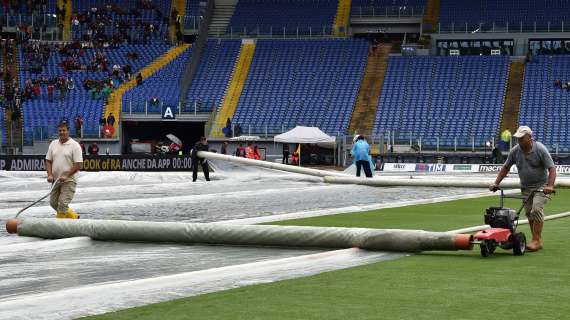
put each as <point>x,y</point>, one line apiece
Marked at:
<point>519,244</point>
<point>485,252</point>
<point>491,245</point>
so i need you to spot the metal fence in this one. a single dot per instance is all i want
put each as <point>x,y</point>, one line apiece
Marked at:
<point>386,12</point>
<point>503,27</point>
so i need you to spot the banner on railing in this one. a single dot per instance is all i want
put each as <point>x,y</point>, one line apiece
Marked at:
<point>399,167</point>
<point>104,163</point>
<point>440,167</point>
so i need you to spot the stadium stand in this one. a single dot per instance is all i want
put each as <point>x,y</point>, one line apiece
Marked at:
<point>135,20</point>
<point>544,105</point>
<point>498,14</point>
<point>283,16</point>
<point>302,82</point>
<point>40,115</point>
<point>213,75</point>
<point>164,85</point>
<point>443,97</point>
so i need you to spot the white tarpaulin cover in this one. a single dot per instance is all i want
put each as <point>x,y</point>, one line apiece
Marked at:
<point>301,134</point>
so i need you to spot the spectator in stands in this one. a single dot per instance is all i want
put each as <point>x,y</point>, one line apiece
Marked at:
<point>105,92</point>
<point>139,79</point>
<point>93,149</point>
<point>285,159</point>
<point>536,171</point>
<point>111,120</point>
<point>224,148</point>
<point>558,83</point>
<point>127,69</point>
<point>201,145</point>
<point>361,153</point>
<point>78,126</point>
<point>36,89</point>
<point>227,130</point>
<point>102,123</point>
<point>132,55</point>
<point>62,85</point>
<point>50,89</point>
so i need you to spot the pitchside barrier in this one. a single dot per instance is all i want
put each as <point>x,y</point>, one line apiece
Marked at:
<point>104,163</point>
<point>447,167</point>
<point>137,162</point>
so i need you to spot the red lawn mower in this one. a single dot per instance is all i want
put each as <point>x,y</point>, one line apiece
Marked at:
<point>503,232</point>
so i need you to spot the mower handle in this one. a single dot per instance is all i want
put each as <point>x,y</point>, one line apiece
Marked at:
<point>524,198</point>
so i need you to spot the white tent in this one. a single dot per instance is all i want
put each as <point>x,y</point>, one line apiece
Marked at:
<point>301,134</point>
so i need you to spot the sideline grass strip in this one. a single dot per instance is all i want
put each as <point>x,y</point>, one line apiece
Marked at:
<point>432,285</point>
<point>442,216</point>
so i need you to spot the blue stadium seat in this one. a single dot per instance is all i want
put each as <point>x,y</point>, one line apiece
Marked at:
<point>544,107</point>
<point>447,97</point>
<point>163,85</point>
<point>213,76</point>
<point>302,82</point>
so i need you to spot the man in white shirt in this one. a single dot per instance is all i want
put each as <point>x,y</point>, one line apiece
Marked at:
<point>63,160</point>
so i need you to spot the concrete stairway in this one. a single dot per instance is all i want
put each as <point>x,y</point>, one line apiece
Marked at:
<point>231,99</point>
<point>364,111</point>
<point>510,116</point>
<point>222,15</point>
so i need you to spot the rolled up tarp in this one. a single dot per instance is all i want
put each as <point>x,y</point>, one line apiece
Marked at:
<point>252,235</point>
<point>456,183</point>
<point>268,165</point>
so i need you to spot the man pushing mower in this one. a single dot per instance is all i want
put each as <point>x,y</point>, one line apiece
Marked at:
<point>536,172</point>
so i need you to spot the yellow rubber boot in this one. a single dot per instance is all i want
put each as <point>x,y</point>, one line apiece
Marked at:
<point>61,215</point>
<point>70,214</point>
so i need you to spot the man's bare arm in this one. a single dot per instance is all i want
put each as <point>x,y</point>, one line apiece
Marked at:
<point>49,171</point>
<point>549,188</point>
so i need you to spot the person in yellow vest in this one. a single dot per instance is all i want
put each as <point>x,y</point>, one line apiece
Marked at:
<point>506,139</point>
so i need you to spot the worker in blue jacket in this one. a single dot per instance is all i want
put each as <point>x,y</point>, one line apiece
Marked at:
<point>361,154</point>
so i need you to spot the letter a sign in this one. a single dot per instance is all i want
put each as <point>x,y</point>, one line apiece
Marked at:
<point>168,114</point>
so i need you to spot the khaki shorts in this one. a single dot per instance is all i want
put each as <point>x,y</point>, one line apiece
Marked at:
<point>534,208</point>
<point>62,195</point>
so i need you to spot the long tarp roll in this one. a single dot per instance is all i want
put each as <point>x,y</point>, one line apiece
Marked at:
<point>268,165</point>
<point>254,235</point>
<point>456,183</point>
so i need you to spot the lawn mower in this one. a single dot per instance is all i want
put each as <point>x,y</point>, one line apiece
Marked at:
<point>503,232</point>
